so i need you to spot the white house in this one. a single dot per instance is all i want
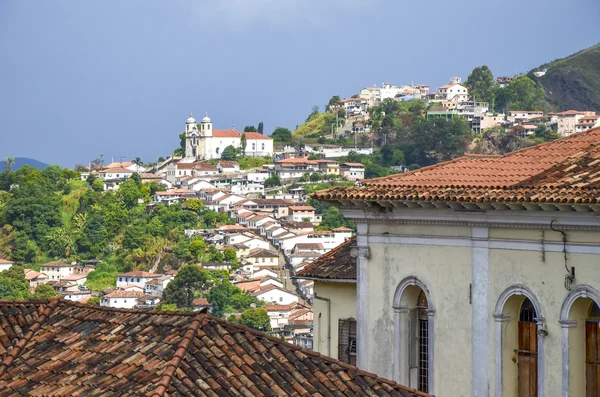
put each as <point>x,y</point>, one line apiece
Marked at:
<point>156,286</point>
<point>302,213</point>
<point>245,186</point>
<point>76,296</point>
<point>57,270</point>
<point>273,293</point>
<point>261,272</point>
<point>278,315</point>
<point>137,277</point>
<point>78,279</point>
<point>353,171</point>
<point>122,299</point>
<point>5,264</point>
<point>226,167</point>
<point>259,175</point>
<point>263,257</point>
<point>454,92</point>
<point>174,195</point>
<point>130,165</point>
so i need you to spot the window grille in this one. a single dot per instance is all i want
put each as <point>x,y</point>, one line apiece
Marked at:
<point>347,341</point>
<point>423,355</point>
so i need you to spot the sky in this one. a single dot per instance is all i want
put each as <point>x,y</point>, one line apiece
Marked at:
<point>119,77</point>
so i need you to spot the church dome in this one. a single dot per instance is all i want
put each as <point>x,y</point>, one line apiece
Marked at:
<point>206,119</point>
<point>191,120</point>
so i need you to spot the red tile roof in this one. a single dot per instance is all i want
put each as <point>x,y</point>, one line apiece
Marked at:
<point>337,264</point>
<point>5,261</point>
<point>566,170</point>
<point>117,170</point>
<point>309,246</point>
<point>226,133</point>
<point>301,208</point>
<point>64,348</point>
<point>201,302</point>
<point>257,135</point>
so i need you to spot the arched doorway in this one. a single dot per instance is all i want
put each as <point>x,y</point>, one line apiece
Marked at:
<point>413,347</point>
<point>592,352</point>
<point>580,320</point>
<point>519,345</point>
<point>527,357</point>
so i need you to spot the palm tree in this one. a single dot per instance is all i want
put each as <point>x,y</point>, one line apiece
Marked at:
<point>137,162</point>
<point>10,161</point>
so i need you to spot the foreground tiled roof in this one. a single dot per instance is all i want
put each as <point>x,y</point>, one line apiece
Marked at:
<point>63,348</point>
<point>337,264</point>
<point>563,171</point>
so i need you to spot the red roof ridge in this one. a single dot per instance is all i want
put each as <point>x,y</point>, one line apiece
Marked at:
<point>180,352</point>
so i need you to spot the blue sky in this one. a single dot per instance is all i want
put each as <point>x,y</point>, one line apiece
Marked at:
<point>119,78</point>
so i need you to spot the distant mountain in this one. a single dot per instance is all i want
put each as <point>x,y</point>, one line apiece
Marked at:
<point>572,82</point>
<point>21,161</point>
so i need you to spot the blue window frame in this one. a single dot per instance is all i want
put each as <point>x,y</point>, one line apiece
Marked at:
<point>138,280</point>
<point>120,278</point>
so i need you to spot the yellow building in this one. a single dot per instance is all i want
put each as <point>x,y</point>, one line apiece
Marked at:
<point>481,274</point>
<point>334,274</point>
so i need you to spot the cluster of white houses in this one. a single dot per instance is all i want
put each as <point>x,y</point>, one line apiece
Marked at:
<point>480,274</point>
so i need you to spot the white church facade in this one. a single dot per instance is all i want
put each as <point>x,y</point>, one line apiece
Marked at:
<point>205,143</point>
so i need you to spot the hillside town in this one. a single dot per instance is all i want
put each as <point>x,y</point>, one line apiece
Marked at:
<point>407,241</point>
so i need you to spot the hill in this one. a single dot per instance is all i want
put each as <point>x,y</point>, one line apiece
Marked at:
<point>573,82</point>
<point>21,161</point>
<point>316,123</point>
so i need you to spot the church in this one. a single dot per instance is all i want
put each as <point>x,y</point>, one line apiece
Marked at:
<point>202,142</point>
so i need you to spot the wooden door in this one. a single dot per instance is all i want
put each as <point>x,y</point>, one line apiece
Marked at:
<point>592,359</point>
<point>527,359</point>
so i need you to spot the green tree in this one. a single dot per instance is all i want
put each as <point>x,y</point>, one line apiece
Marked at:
<point>194,204</point>
<point>242,301</point>
<point>94,301</point>
<point>282,135</point>
<point>243,143</point>
<point>129,192</point>
<point>545,134</point>
<point>249,128</point>
<point>98,185</point>
<point>525,94</point>
<point>13,284</point>
<point>481,84</point>
<point>273,180</point>
<point>188,281</point>
<point>44,291</point>
<point>229,255</point>
<point>229,153</point>
<point>257,319</point>
<point>333,101</point>
<point>220,296</point>
<point>261,128</point>
<point>197,247</point>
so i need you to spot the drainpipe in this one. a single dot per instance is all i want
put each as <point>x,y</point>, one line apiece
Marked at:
<point>328,323</point>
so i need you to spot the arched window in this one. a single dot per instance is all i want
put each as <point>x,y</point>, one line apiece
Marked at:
<point>413,345</point>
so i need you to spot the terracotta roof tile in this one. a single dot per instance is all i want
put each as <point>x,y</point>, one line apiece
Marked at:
<point>566,170</point>
<point>76,349</point>
<point>337,264</point>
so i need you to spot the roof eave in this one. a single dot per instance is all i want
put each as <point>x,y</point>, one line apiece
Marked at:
<point>327,280</point>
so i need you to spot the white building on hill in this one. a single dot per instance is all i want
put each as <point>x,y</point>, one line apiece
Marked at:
<point>202,142</point>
